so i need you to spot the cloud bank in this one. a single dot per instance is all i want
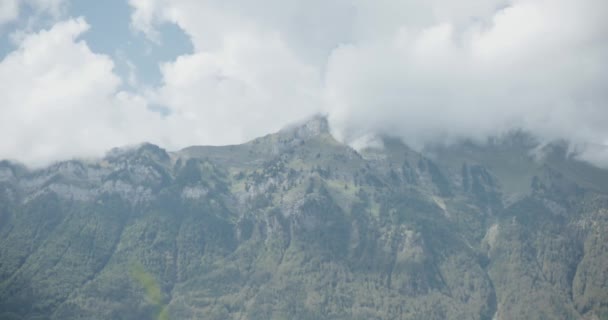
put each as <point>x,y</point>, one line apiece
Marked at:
<point>426,71</point>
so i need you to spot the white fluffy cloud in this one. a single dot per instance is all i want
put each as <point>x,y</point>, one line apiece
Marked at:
<point>243,80</point>
<point>426,71</point>
<point>536,65</point>
<point>237,92</point>
<point>60,100</point>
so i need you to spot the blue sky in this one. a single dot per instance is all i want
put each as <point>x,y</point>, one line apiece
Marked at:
<point>81,77</point>
<point>111,33</point>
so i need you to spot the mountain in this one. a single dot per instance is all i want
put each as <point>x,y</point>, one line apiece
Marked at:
<point>296,225</point>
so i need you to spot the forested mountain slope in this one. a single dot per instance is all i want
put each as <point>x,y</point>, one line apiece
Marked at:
<point>296,225</point>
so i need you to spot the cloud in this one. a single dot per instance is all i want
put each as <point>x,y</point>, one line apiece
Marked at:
<point>247,88</point>
<point>243,80</point>
<point>144,17</point>
<point>10,9</point>
<point>545,76</point>
<point>536,66</point>
<point>52,7</point>
<point>426,71</point>
<point>60,100</point>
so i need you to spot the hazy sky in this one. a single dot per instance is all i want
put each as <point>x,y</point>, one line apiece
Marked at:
<point>80,77</point>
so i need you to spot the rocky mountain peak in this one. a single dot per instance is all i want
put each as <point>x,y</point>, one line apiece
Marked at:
<point>142,151</point>
<point>315,126</point>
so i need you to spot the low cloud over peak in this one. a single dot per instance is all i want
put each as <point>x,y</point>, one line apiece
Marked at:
<point>425,71</point>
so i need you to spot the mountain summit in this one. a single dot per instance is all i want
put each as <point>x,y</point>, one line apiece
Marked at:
<point>296,225</point>
<point>314,126</point>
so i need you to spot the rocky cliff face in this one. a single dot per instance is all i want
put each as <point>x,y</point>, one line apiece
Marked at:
<point>296,225</point>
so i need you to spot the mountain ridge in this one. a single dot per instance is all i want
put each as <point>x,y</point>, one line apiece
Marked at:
<point>298,225</point>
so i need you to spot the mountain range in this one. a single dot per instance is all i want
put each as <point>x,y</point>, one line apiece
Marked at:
<point>297,225</point>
